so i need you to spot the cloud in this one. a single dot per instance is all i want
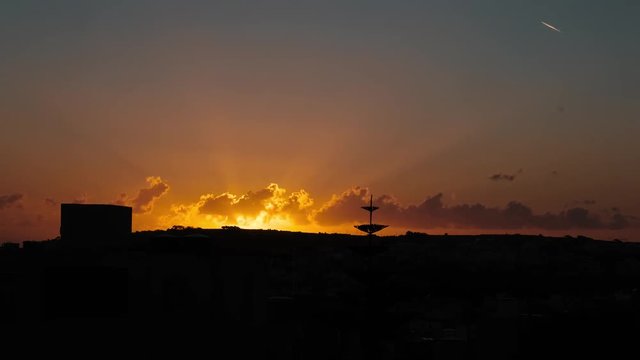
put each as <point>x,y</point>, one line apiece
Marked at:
<point>143,202</point>
<point>505,177</point>
<point>499,177</point>
<point>51,202</point>
<point>270,206</point>
<point>275,207</point>
<point>83,199</point>
<point>581,203</point>
<point>121,200</point>
<point>263,205</point>
<point>12,200</point>
<point>342,208</point>
<point>299,206</point>
<point>433,213</point>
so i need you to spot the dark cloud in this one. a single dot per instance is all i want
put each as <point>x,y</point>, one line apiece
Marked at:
<point>620,221</point>
<point>433,213</point>
<point>217,204</point>
<point>12,200</point>
<point>342,208</point>
<point>252,203</point>
<point>505,177</point>
<point>580,203</point>
<point>143,202</point>
<point>51,202</point>
<point>499,177</point>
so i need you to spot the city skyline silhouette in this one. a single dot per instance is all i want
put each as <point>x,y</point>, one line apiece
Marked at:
<point>290,295</point>
<point>186,178</point>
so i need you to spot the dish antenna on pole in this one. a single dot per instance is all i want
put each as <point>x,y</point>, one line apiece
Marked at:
<point>370,228</point>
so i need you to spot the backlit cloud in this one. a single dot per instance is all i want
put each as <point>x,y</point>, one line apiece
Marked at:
<point>342,208</point>
<point>271,206</point>
<point>143,202</point>
<point>274,207</point>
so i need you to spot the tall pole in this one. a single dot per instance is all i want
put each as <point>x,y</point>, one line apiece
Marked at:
<point>371,210</point>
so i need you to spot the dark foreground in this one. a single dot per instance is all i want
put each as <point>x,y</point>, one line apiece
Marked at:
<point>282,295</point>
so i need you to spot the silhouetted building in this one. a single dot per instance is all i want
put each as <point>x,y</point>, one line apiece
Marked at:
<point>10,246</point>
<point>94,222</point>
<point>92,291</point>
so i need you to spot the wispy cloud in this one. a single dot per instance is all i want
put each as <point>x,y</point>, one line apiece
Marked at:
<point>505,177</point>
<point>12,200</point>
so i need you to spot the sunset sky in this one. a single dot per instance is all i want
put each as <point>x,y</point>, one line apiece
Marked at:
<point>459,116</point>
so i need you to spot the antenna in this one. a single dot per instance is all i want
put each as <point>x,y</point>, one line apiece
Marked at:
<point>370,228</point>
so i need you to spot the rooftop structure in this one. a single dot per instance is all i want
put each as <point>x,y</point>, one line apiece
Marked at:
<point>370,228</point>
<point>94,222</point>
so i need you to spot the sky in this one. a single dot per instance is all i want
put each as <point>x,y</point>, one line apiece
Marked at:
<point>458,116</point>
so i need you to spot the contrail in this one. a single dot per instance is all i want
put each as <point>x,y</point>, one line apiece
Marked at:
<point>550,26</point>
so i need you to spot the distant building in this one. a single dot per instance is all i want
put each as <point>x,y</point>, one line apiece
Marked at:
<point>9,247</point>
<point>94,222</point>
